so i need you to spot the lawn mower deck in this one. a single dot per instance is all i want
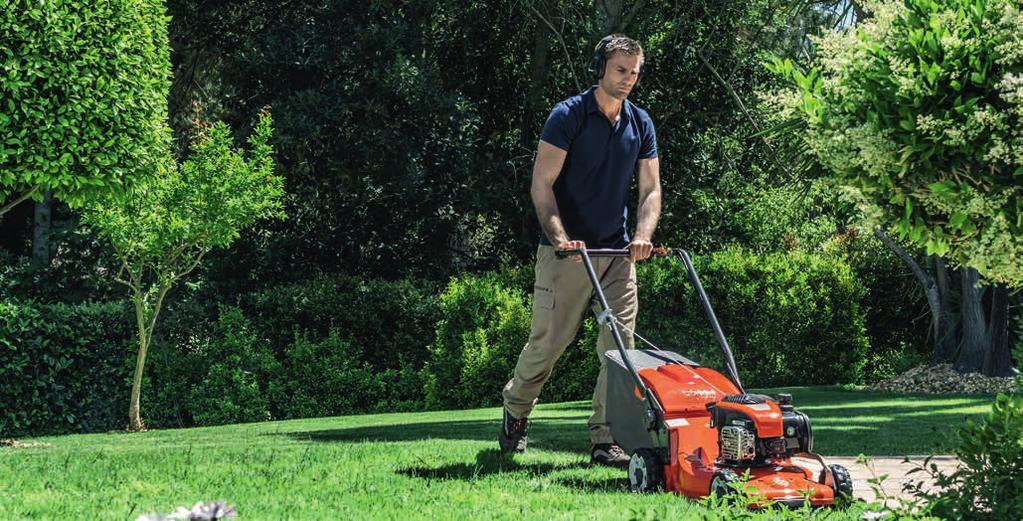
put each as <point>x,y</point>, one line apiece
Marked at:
<point>694,431</point>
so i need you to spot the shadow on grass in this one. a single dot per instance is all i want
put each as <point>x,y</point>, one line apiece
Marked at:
<point>489,461</point>
<point>493,461</point>
<point>556,434</point>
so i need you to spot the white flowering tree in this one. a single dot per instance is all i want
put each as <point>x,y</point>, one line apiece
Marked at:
<point>918,111</point>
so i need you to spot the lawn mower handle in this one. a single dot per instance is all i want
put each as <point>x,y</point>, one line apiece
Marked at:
<point>694,279</point>
<point>660,251</point>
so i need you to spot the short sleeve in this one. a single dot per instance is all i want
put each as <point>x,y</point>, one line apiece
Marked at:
<point>648,143</point>
<point>559,130</point>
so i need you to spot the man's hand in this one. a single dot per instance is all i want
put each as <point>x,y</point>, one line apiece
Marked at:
<point>567,244</point>
<point>640,249</point>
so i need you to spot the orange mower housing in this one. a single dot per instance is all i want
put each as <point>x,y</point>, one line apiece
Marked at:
<point>708,436</point>
<point>694,431</point>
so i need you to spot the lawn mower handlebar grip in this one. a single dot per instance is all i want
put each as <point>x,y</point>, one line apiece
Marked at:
<point>660,251</point>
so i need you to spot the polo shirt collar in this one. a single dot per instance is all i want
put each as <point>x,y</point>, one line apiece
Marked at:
<point>590,102</point>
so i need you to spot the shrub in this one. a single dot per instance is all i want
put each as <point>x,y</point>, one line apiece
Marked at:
<point>893,303</point>
<point>391,322</point>
<point>791,318</point>
<point>84,95</point>
<point>63,368</point>
<point>328,378</point>
<point>483,328</point>
<point>989,482</point>
<point>234,388</point>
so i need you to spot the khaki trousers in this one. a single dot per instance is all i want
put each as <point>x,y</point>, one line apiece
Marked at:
<point>561,295</point>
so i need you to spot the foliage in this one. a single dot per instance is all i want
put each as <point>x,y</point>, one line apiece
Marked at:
<point>989,482</point>
<point>62,367</point>
<point>328,378</point>
<point>237,362</point>
<point>893,305</point>
<point>388,323</point>
<point>483,327</point>
<point>164,224</point>
<point>919,110</point>
<point>791,318</point>
<point>82,94</point>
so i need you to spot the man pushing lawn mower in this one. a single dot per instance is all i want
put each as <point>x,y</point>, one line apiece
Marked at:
<point>676,425</point>
<point>590,147</point>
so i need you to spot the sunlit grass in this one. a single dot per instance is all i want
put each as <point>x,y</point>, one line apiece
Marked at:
<point>436,465</point>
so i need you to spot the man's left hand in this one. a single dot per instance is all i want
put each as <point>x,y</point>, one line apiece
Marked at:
<point>640,249</point>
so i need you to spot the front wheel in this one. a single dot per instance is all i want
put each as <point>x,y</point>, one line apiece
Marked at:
<point>724,483</point>
<point>645,472</point>
<point>842,484</point>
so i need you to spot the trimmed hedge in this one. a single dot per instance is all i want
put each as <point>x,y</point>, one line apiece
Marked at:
<point>790,318</point>
<point>341,345</point>
<point>63,368</point>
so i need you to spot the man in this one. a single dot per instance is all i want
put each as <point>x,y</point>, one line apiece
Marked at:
<point>589,149</point>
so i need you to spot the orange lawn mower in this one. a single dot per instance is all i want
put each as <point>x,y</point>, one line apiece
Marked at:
<point>692,431</point>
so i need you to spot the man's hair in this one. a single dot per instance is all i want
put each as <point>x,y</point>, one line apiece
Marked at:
<point>619,43</point>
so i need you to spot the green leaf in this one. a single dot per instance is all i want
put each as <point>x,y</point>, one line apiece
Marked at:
<point>956,220</point>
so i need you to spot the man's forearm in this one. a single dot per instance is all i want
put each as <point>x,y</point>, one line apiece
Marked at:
<point>649,212</point>
<point>550,218</point>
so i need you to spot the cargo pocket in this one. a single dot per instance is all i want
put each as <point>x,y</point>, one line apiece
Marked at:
<point>543,298</point>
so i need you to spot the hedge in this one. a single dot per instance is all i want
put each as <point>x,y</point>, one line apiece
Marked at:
<point>63,368</point>
<point>342,345</point>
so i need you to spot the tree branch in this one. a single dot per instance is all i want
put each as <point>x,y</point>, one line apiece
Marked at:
<point>632,14</point>
<point>7,207</point>
<point>561,40</point>
<point>742,107</point>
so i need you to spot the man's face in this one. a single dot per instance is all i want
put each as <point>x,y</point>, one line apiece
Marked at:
<point>620,75</point>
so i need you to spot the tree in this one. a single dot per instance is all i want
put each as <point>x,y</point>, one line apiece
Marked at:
<point>918,112</point>
<point>83,90</point>
<point>163,226</point>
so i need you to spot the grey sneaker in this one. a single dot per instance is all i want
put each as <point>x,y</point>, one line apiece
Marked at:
<point>609,454</point>
<point>513,433</point>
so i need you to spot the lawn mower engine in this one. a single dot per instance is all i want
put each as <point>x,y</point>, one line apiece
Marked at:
<point>692,432</point>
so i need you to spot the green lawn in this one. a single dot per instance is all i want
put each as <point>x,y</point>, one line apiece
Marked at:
<point>437,465</point>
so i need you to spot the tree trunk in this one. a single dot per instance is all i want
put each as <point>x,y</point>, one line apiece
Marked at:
<point>146,327</point>
<point>928,283</point>
<point>945,342</point>
<point>998,361</point>
<point>975,341</point>
<point>134,415</point>
<point>41,231</point>
<point>540,66</point>
<point>612,16</point>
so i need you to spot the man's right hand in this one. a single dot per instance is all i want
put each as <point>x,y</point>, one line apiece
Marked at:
<point>572,245</point>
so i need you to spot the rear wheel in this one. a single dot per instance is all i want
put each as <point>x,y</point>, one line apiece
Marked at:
<point>842,484</point>
<point>645,472</point>
<point>724,483</point>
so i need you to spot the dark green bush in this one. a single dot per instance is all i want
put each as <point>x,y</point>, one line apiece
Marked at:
<point>989,482</point>
<point>326,377</point>
<point>63,368</point>
<point>239,365</point>
<point>893,303</point>
<point>791,318</point>
<point>391,322</point>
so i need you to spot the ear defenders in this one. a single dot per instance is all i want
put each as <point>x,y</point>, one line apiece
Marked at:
<point>599,60</point>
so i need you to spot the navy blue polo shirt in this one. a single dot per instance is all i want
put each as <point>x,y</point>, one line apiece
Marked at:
<point>592,190</point>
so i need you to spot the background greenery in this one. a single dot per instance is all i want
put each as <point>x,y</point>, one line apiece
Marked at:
<point>402,274</point>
